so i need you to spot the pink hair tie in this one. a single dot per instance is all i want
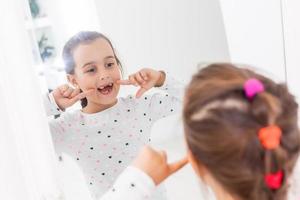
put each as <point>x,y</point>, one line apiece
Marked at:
<point>274,180</point>
<point>253,87</point>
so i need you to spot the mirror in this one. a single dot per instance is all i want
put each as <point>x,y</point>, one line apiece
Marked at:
<point>173,36</point>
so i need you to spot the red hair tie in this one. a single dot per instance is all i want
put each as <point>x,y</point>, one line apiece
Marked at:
<point>270,136</point>
<point>274,180</point>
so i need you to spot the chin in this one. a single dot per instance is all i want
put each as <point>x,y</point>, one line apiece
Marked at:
<point>108,101</point>
<point>106,95</point>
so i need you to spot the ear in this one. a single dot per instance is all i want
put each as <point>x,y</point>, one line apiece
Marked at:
<point>72,80</point>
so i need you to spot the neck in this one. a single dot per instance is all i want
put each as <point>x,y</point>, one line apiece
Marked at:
<point>94,107</point>
<point>219,191</point>
<point>222,195</point>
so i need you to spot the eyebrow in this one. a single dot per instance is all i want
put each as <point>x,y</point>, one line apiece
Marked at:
<point>88,63</point>
<point>109,57</point>
<point>93,62</point>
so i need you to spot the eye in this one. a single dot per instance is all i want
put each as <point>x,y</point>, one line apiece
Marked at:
<point>111,64</point>
<point>91,69</point>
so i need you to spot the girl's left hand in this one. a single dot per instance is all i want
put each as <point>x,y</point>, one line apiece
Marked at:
<point>146,79</point>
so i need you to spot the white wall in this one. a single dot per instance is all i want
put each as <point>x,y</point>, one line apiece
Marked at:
<point>69,17</point>
<point>292,43</point>
<point>174,34</point>
<point>254,34</point>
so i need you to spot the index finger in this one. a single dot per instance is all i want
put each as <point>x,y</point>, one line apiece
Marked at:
<point>124,82</point>
<point>84,94</point>
<point>174,167</point>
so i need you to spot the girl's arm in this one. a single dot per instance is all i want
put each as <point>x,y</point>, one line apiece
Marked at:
<point>50,105</point>
<point>55,103</point>
<point>133,184</point>
<point>159,105</point>
<point>148,170</point>
<point>59,134</point>
<point>169,101</point>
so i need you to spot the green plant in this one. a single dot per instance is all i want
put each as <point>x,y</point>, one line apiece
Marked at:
<point>46,51</point>
<point>34,8</point>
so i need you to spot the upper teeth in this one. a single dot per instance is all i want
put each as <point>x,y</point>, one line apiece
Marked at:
<point>102,87</point>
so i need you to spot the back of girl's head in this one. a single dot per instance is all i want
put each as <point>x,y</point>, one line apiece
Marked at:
<point>222,126</point>
<point>83,37</point>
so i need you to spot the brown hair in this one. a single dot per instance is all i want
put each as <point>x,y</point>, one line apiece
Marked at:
<point>83,37</point>
<point>221,128</point>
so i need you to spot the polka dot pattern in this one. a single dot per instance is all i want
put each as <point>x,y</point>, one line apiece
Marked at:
<point>105,143</point>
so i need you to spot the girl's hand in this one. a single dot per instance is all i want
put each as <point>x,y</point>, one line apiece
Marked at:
<point>65,96</point>
<point>154,163</point>
<point>146,79</point>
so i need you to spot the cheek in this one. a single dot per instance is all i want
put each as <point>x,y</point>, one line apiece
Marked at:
<point>117,74</point>
<point>86,83</point>
<point>117,88</point>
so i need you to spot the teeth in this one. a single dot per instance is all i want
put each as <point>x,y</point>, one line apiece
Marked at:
<point>102,87</point>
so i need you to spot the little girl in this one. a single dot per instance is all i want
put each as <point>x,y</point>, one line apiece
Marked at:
<point>242,136</point>
<point>107,133</point>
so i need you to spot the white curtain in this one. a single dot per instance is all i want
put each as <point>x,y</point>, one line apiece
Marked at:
<point>27,161</point>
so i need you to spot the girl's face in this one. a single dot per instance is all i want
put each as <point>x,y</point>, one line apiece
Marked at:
<point>96,68</point>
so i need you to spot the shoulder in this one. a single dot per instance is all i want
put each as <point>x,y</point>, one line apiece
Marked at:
<point>68,117</point>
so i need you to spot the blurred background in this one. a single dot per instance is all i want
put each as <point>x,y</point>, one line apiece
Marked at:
<point>176,35</point>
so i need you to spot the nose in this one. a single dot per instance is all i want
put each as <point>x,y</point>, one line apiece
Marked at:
<point>102,75</point>
<point>103,78</point>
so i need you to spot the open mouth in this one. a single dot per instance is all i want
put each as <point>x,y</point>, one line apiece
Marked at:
<point>106,89</point>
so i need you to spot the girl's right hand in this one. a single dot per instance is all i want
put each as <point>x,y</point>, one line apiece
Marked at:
<point>154,164</point>
<point>66,96</point>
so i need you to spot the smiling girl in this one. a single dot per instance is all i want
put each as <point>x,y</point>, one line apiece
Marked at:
<point>106,134</point>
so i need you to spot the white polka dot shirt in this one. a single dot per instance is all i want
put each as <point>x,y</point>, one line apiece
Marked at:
<point>132,184</point>
<point>105,143</point>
